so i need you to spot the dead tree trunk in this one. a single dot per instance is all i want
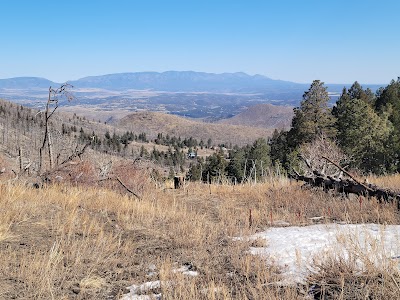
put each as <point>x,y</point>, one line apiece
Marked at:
<point>50,145</point>
<point>179,182</point>
<point>347,186</point>
<point>51,107</point>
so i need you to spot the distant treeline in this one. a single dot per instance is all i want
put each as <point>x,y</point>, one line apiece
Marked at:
<point>237,165</point>
<point>175,156</point>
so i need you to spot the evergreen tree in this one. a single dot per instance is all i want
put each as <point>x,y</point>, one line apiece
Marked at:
<point>209,143</point>
<point>259,154</point>
<point>171,174</point>
<point>243,161</point>
<point>235,168</point>
<point>195,170</point>
<point>357,92</point>
<point>215,166</point>
<point>390,95</point>
<point>388,104</point>
<point>312,117</point>
<point>362,133</point>
<point>143,152</point>
<point>279,148</point>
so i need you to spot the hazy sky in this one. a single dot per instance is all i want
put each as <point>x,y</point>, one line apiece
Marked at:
<point>300,40</point>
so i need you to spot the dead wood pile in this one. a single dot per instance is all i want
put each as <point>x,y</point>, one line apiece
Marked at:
<point>344,182</point>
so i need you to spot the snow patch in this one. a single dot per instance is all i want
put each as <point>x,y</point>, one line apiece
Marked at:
<point>295,248</point>
<point>145,291</point>
<point>186,270</point>
<point>136,292</point>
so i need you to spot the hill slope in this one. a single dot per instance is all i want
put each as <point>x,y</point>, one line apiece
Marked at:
<point>152,123</point>
<point>263,115</point>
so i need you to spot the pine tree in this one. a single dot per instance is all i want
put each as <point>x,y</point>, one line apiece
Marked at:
<point>195,170</point>
<point>235,168</point>
<point>279,148</point>
<point>357,92</point>
<point>390,95</point>
<point>362,133</point>
<point>312,117</point>
<point>388,104</point>
<point>259,153</point>
<point>215,166</point>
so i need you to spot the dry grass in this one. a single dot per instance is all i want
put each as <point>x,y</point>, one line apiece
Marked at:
<point>390,181</point>
<point>342,278</point>
<point>76,241</point>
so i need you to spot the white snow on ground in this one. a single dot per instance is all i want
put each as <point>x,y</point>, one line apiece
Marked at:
<point>186,270</point>
<point>294,248</point>
<point>145,291</point>
<point>138,292</point>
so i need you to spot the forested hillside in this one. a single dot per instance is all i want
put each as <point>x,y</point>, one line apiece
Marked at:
<point>365,126</point>
<point>41,142</point>
<point>360,132</point>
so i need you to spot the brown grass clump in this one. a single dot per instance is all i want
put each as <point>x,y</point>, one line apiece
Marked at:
<point>86,241</point>
<point>342,278</point>
<point>389,181</point>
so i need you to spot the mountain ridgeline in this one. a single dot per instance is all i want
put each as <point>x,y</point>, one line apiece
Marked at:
<point>26,83</point>
<point>186,93</point>
<point>186,81</point>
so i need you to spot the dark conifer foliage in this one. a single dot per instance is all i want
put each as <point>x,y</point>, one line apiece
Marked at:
<point>365,126</point>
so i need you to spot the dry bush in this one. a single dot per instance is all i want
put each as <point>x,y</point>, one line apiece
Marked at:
<point>136,175</point>
<point>313,152</point>
<point>77,173</point>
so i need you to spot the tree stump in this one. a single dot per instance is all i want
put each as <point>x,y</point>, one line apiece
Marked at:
<point>178,182</point>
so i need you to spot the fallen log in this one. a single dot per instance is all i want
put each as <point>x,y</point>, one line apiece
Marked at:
<point>349,185</point>
<point>347,173</point>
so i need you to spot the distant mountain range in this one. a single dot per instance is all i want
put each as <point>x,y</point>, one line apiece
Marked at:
<point>169,81</point>
<point>186,93</point>
<point>186,81</point>
<point>177,81</point>
<point>173,81</point>
<point>26,83</point>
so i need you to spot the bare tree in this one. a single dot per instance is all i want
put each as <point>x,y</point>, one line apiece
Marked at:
<point>55,95</point>
<point>311,156</point>
<point>320,166</point>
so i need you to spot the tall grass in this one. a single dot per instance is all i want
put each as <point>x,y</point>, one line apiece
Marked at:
<point>90,242</point>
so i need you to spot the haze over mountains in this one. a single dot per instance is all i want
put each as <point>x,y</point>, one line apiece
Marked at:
<point>186,93</point>
<point>173,81</point>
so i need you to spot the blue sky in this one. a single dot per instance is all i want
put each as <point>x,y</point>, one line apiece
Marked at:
<point>334,41</point>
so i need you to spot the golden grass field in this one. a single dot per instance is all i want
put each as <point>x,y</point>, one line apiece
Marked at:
<point>68,241</point>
